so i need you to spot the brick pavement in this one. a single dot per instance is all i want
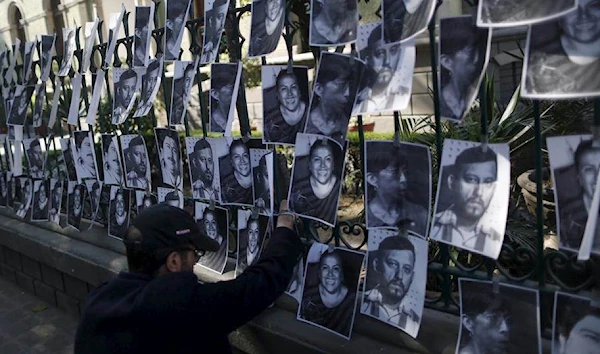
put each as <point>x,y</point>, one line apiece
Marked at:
<point>29,325</point>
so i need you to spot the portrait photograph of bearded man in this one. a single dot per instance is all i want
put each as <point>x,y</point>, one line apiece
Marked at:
<point>563,55</point>
<point>177,12</point>
<point>398,186</point>
<point>118,211</point>
<point>266,26</point>
<point>316,178</point>
<point>333,23</point>
<point>235,172</point>
<point>386,84</point>
<point>252,231</point>
<point>204,171</point>
<point>576,327</point>
<point>151,79</point>
<point>137,164</point>
<point>35,157</point>
<point>125,86</point>
<point>285,103</point>
<point>405,19</point>
<point>215,223</point>
<point>396,276</point>
<point>224,83</point>
<point>169,156</point>
<point>330,288</point>
<point>498,319</point>
<point>41,200</point>
<point>508,13</point>
<point>75,196</point>
<point>472,198</point>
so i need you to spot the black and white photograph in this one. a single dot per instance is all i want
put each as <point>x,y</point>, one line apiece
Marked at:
<point>574,162</point>
<point>333,23</point>
<point>3,188</point>
<point>471,204</point>
<point>386,84</point>
<point>576,326</point>
<point>56,193</point>
<point>18,108</point>
<point>115,22</point>
<point>396,277</point>
<point>183,79</point>
<point>135,159</point>
<point>252,231</point>
<point>38,107</point>
<point>285,103</point>
<point>94,190</point>
<point>68,159</point>
<point>36,157</point>
<point>28,60</point>
<point>224,83</point>
<point>215,223</point>
<point>16,156</point>
<point>215,14</point>
<point>75,104</point>
<point>262,186</point>
<point>144,199</point>
<point>90,33</point>
<point>47,49</point>
<point>266,26</point>
<point>55,103</point>
<point>294,288</point>
<point>11,188</point>
<point>151,80</point>
<point>330,288</point>
<point>111,160</point>
<point>398,186</point>
<point>85,155</point>
<point>125,86</point>
<point>75,197</point>
<point>177,13</point>
<point>169,156</point>
<point>316,178</point>
<point>334,93</point>
<point>144,22</point>
<point>235,171</point>
<point>68,51</point>
<point>10,74</point>
<point>118,211</point>
<point>170,196</point>
<point>204,171</point>
<point>498,318</point>
<point>96,95</point>
<point>563,55</point>
<point>26,188</point>
<point>405,19</point>
<point>464,54</point>
<point>41,200</point>
<point>510,13</point>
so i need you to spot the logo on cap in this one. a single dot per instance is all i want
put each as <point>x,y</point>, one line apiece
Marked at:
<point>182,232</point>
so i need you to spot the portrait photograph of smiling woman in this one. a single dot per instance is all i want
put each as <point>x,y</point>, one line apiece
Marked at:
<point>215,223</point>
<point>267,23</point>
<point>252,231</point>
<point>285,103</point>
<point>316,178</point>
<point>330,288</point>
<point>235,171</point>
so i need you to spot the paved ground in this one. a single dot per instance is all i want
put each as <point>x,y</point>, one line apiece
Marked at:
<point>29,325</point>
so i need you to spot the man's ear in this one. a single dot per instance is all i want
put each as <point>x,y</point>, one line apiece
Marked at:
<point>173,262</point>
<point>450,181</point>
<point>376,264</point>
<point>318,89</point>
<point>446,62</point>
<point>372,180</point>
<point>467,323</point>
<point>214,94</point>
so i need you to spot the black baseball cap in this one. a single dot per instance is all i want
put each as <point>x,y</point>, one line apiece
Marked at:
<point>165,226</point>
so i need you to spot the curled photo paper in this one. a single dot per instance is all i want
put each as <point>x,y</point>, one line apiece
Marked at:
<point>224,86</point>
<point>266,25</point>
<point>96,94</point>
<point>215,223</point>
<point>177,12</point>
<point>333,23</point>
<point>405,19</point>
<point>203,162</point>
<point>114,27</point>
<point>144,22</point>
<point>512,13</point>
<point>215,14</point>
<point>68,51</point>
<point>90,33</point>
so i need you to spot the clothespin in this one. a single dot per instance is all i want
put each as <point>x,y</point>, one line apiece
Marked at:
<point>211,204</point>
<point>484,143</point>
<point>403,225</point>
<point>254,212</point>
<point>246,137</point>
<point>353,55</point>
<point>330,248</point>
<point>495,286</point>
<point>290,66</point>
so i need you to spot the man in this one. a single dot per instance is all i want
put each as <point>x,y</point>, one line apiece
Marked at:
<point>333,96</point>
<point>254,237</point>
<point>403,18</point>
<point>394,264</point>
<point>170,158</point>
<point>40,95</point>
<point>267,23</point>
<point>18,109</point>
<point>471,184</point>
<point>562,64</point>
<point>75,201</point>
<point>40,208</point>
<point>181,88</point>
<point>378,91</point>
<point>222,83</point>
<point>68,51</point>
<point>155,306</point>
<point>172,199</point>
<point>119,214</point>
<point>111,160</point>
<point>54,214</point>
<point>95,197</point>
<point>67,153</point>
<point>136,162</point>
<point>287,117</point>
<point>215,23</point>
<point>149,82</point>
<point>577,327</point>
<point>236,186</point>
<point>3,189</point>
<point>218,259</point>
<point>317,195</point>
<point>203,168</point>
<point>574,212</point>
<point>86,160</point>
<point>26,195</point>
<point>333,22</point>
<point>262,187</point>
<point>389,198</point>
<point>125,88</point>
<point>142,26</point>
<point>462,61</point>
<point>36,160</point>
<point>330,303</point>
<point>177,12</point>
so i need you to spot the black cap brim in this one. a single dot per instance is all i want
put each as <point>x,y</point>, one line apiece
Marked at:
<point>203,242</point>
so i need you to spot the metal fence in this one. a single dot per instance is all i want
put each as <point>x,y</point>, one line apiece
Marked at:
<point>545,269</point>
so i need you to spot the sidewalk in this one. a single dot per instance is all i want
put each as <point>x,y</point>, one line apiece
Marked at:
<point>29,325</point>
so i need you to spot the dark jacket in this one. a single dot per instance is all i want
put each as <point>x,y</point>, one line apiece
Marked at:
<point>174,313</point>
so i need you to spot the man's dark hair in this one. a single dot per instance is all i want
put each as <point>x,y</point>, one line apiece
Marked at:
<point>374,37</point>
<point>171,196</point>
<point>138,140</point>
<point>222,77</point>
<point>283,74</point>
<point>154,65</point>
<point>321,143</point>
<point>140,260</point>
<point>95,186</point>
<point>34,143</point>
<point>219,3</point>
<point>397,243</point>
<point>570,312</point>
<point>473,155</point>
<point>78,142</point>
<point>385,156</point>
<point>106,144</point>
<point>189,68</point>
<point>119,192</point>
<point>462,37</point>
<point>206,212</point>
<point>237,143</point>
<point>481,298</point>
<point>178,5</point>
<point>201,145</point>
<point>334,67</point>
<point>127,74</point>
<point>583,147</point>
